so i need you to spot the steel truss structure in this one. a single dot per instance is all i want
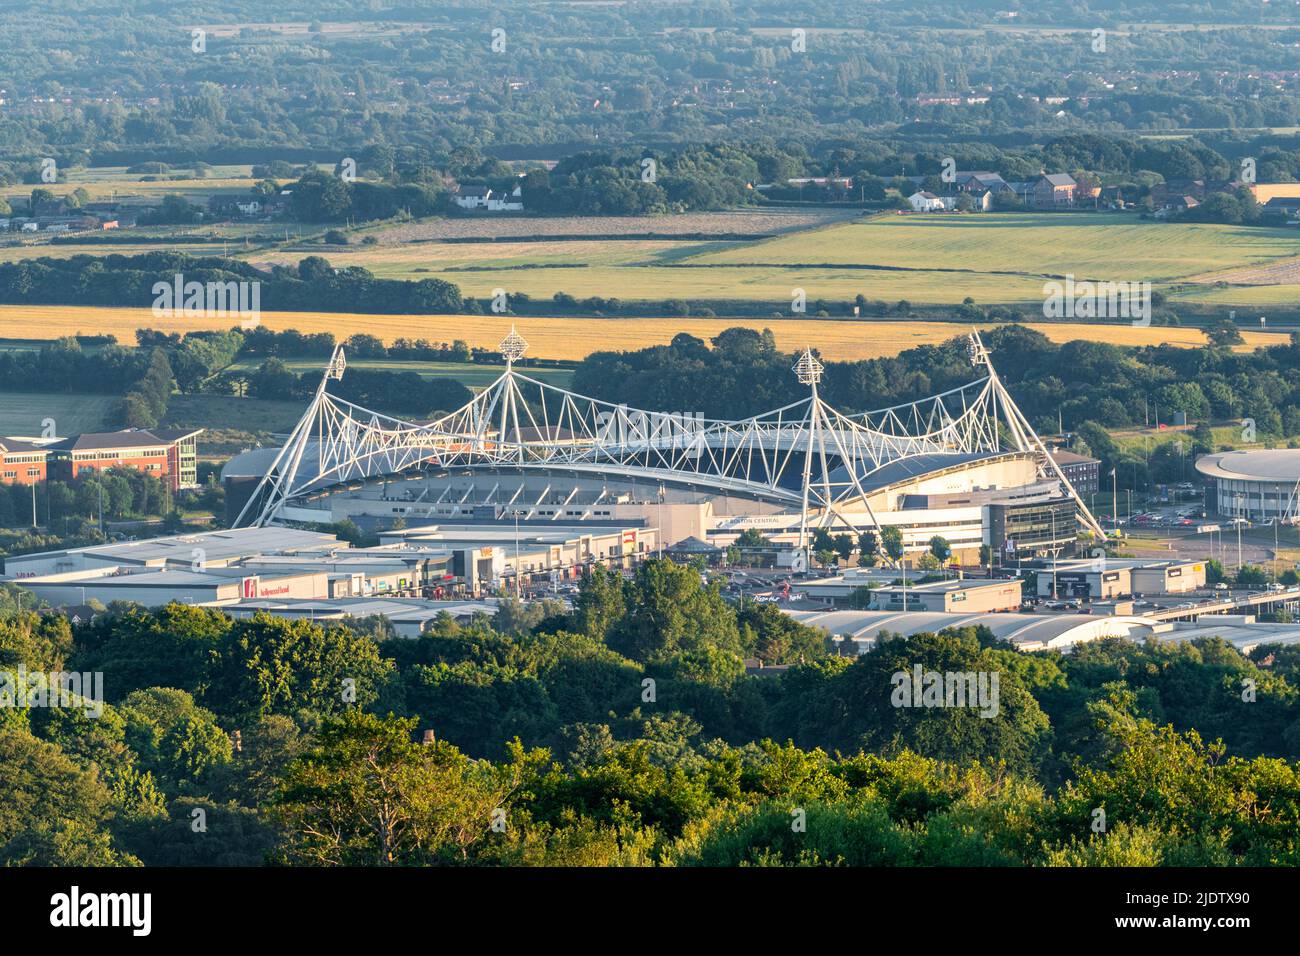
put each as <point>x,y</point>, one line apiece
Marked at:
<point>805,455</point>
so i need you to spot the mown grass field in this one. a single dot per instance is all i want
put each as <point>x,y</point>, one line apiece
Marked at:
<point>575,338</point>
<point>247,415</point>
<point>1100,246</point>
<point>925,259</point>
<point>21,413</point>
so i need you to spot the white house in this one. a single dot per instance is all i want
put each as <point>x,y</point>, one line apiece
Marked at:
<point>514,202</point>
<point>472,197</point>
<point>926,202</point>
<point>250,208</point>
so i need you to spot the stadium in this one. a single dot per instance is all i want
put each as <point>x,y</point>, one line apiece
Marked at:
<point>1260,485</point>
<point>964,465</point>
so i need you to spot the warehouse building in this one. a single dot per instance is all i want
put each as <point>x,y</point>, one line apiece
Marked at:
<point>854,632</point>
<point>963,596</point>
<point>204,549</point>
<point>1111,578</point>
<point>410,617</point>
<point>228,568</point>
<point>489,552</point>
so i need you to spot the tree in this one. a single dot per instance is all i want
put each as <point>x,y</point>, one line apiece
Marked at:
<point>600,602</point>
<point>1223,334</point>
<point>871,714</point>
<point>670,611</point>
<point>774,637</point>
<point>54,812</point>
<point>891,539</point>
<point>273,665</point>
<point>868,549</point>
<point>941,549</point>
<point>366,794</point>
<point>178,741</point>
<point>753,538</point>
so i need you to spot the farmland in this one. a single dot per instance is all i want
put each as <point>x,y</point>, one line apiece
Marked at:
<point>1093,247</point>
<point>739,222</point>
<point>574,338</point>
<point>115,183</point>
<point>925,259</point>
<point>22,413</point>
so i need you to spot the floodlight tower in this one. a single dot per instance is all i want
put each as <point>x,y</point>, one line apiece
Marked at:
<point>1023,436</point>
<point>284,469</point>
<point>513,347</point>
<point>809,372</point>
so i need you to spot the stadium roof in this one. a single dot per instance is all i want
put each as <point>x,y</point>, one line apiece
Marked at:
<point>905,469</point>
<point>1275,464</point>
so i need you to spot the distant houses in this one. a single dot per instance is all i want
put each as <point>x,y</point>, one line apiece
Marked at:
<point>980,183</point>
<point>61,215</point>
<point>1048,191</point>
<point>486,199</point>
<point>927,202</point>
<point>1053,190</point>
<point>1287,206</point>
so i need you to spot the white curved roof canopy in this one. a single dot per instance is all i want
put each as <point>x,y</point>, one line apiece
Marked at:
<point>1272,464</point>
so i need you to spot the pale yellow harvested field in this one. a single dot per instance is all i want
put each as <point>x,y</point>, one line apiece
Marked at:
<point>575,338</point>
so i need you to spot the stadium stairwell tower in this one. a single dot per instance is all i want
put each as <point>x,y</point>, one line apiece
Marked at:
<point>806,455</point>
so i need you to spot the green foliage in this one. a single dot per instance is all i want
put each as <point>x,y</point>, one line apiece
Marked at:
<point>669,610</point>
<point>672,758</point>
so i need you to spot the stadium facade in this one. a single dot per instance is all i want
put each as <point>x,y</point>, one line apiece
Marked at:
<point>964,465</point>
<point>1261,485</point>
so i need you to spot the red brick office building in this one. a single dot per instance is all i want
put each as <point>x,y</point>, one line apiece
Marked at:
<point>168,454</point>
<point>22,462</point>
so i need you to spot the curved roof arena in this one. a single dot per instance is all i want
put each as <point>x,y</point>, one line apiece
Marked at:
<point>1273,464</point>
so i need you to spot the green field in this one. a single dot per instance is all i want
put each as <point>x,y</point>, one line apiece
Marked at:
<point>926,259</point>
<point>247,415</point>
<point>473,376</point>
<point>21,413</point>
<point>1101,246</point>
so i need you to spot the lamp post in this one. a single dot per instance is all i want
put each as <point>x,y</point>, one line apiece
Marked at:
<point>659,535</point>
<point>1055,552</point>
<point>1237,498</point>
<point>519,584</point>
<point>1275,549</point>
